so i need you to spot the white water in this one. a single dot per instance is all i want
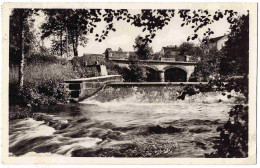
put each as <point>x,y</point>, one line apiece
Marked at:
<point>95,125</point>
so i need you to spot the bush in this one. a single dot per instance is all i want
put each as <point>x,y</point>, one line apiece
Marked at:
<point>42,85</point>
<point>41,59</point>
<point>233,141</point>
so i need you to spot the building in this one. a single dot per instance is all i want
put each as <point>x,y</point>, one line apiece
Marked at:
<point>118,55</point>
<point>218,42</point>
<point>174,53</point>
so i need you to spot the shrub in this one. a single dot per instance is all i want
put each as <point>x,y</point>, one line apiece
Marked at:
<point>41,59</point>
<point>42,85</point>
<point>233,141</point>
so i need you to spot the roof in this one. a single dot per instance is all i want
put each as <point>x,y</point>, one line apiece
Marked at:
<point>213,40</point>
<point>171,48</point>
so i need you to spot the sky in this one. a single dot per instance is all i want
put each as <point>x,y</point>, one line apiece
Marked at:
<point>124,37</point>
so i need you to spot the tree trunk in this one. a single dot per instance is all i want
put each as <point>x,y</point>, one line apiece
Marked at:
<point>61,47</point>
<point>74,44</point>
<point>67,42</point>
<point>21,47</point>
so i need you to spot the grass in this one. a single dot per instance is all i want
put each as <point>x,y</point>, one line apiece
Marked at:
<point>41,86</point>
<point>39,73</point>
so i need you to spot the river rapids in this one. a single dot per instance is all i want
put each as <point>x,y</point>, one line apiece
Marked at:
<point>124,123</point>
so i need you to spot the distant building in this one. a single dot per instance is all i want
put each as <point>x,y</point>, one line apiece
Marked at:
<point>218,42</point>
<point>118,55</point>
<point>169,53</point>
<point>174,53</point>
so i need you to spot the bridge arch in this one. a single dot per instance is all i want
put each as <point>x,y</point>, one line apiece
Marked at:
<point>175,66</point>
<point>175,74</point>
<point>152,74</point>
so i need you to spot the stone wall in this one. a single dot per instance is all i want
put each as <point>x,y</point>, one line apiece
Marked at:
<point>82,88</point>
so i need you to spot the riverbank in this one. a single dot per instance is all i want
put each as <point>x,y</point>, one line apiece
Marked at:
<point>41,85</point>
<point>16,112</point>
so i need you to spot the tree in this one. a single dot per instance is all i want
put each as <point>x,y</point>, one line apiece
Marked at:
<point>236,50</point>
<point>209,64</point>
<point>19,37</point>
<point>120,49</point>
<point>188,48</point>
<point>135,72</point>
<point>74,23</point>
<point>142,49</point>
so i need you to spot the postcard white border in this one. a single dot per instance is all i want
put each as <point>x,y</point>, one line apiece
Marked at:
<point>6,7</point>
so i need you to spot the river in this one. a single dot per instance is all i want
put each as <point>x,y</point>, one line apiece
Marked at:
<point>131,125</point>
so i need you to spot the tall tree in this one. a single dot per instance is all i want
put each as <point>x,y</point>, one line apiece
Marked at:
<point>208,66</point>
<point>189,48</point>
<point>142,49</point>
<point>19,36</point>
<point>56,26</point>
<point>74,23</point>
<point>236,50</point>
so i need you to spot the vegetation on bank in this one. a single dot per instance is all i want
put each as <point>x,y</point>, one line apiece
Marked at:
<point>218,66</point>
<point>42,85</point>
<point>233,138</point>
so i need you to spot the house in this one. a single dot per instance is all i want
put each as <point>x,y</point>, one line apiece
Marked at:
<point>118,55</point>
<point>218,42</point>
<point>174,53</point>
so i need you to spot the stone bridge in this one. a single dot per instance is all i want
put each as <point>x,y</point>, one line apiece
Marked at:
<point>164,71</point>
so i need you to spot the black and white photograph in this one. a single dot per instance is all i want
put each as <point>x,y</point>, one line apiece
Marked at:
<point>131,81</point>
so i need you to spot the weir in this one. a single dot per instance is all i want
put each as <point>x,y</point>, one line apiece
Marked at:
<point>83,88</point>
<point>80,89</point>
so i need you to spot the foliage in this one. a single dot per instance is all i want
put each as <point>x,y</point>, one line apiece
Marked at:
<point>42,85</point>
<point>74,23</point>
<point>233,141</point>
<point>149,20</point>
<point>20,36</point>
<point>41,59</point>
<point>136,73</point>
<point>142,49</point>
<point>236,50</point>
<point>152,20</point>
<point>231,60</point>
<point>16,112</point>
<point>199,19</point>
<point>189,48</point>
<point>16,27</point>
<point>209,64</point>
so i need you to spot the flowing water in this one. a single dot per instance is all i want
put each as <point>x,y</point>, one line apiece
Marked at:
<point>125,122</point>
